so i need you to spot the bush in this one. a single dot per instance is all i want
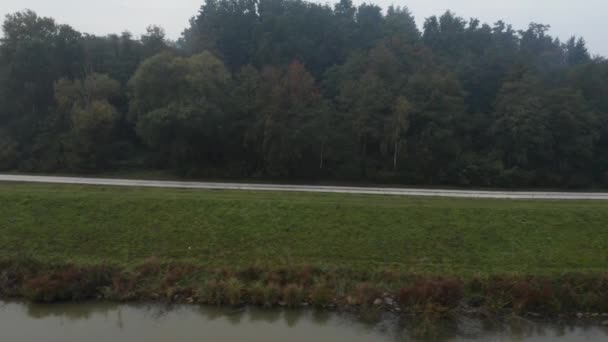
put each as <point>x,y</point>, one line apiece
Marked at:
<point>257,294</point>
<point>530,296</point>
<point>266,295</point>
<point>251,273</point>
<point>322,295</point>
<point>365,294</point>
<point>69,283</point>
<point>522,295</point>
<point>233,291</point>
<point>124,287</point>
<point>13,275</point>
<point>212,292</point>
<point>150,267</point>
<point>272,294</point>
<point>305,275</point>
<point>272,277</point>
<point>293,295</point>
<point>177,273</point>
<point>445,292</point>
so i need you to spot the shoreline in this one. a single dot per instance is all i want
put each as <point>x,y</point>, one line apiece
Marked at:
<point>579,296</point>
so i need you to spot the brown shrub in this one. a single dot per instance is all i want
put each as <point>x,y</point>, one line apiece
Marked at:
<point>272,294</point>
<point>175,294</point>
<point>601,289</point>
<point>322,295</point>
<point>256,294</point>
<point>251,274</point>
<point>522,295</point>
<point>176,273</point>
<point>68,283</point>
<point>151,267</point>
<point>272,277</point>
<point>13,274</point>
<point>365,294</point>
<point>266,295</point>
<point>225,273</point>
<point>123,288</point>
<point>583,293</point>
<point>390,276</point>
<point>213,292</point>
<point>234,291</point>
<point>445,292</point>
<point>293,295</point>
<point>305,275</point>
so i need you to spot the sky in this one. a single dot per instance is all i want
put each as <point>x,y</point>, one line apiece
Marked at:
<point>584,18</point>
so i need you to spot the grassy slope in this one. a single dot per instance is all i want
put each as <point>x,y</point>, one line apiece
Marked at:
<point>225,228</point>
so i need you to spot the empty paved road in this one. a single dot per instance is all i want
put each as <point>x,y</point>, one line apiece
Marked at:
<point>310,188</point>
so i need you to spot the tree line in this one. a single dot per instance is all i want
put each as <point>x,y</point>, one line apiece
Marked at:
<point>288,89</point>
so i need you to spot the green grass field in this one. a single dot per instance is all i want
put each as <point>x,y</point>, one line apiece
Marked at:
<point>90,224</point>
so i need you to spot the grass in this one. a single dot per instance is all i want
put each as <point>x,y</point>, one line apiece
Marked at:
<point>124,226</point>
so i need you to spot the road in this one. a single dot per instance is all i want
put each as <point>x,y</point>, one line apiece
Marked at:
<point>309,188</point>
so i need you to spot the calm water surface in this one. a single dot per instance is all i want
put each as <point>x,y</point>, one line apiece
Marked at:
<point>155,323</point>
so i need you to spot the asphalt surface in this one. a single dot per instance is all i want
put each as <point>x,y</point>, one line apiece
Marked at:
<point>309,188</point>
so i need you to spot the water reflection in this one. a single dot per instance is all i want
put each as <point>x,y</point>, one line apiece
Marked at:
<point>507,329</point>
<point>70,312</point>
<point>320,317</point>
<point>155,323</point>
<point>268,316</point>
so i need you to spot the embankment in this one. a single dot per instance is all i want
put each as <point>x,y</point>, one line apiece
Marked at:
<point>411,255</point>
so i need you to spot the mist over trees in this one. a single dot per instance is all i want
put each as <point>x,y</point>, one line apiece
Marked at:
<point>287,89</point>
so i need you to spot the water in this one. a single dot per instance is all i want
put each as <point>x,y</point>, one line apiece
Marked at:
<point>155,323</point>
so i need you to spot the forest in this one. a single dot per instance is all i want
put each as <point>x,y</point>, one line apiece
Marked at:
<point>301,91</point>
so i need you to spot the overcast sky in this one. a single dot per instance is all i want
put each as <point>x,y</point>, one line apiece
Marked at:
<point>585,18</point>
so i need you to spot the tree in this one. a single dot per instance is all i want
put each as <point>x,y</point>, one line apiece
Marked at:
<point>438,110</point>
<point>520,127</point>
<point>177,105</point>
<point>400,21</point>
<point>34,53</point>
<point>539,49</point>
<point>26,55</point>
<point>153,42</point>
<point>288,105</point>
<point>8,152</point>
<point>576,51</point>
<point>369,24</point>
<point>445,35</point>
<point>91,119</point>
<point>575,129</point>
<point>366,86</point>
<point>226,29</point>
<point>397,126</point>
<point>297,89</point>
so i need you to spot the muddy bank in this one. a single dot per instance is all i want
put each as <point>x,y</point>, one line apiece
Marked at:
<point>579,296</point>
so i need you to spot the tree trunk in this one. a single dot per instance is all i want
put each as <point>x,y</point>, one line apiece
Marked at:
<point>322,154</point>
<point>395,155</point>
<point>364,157</point>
